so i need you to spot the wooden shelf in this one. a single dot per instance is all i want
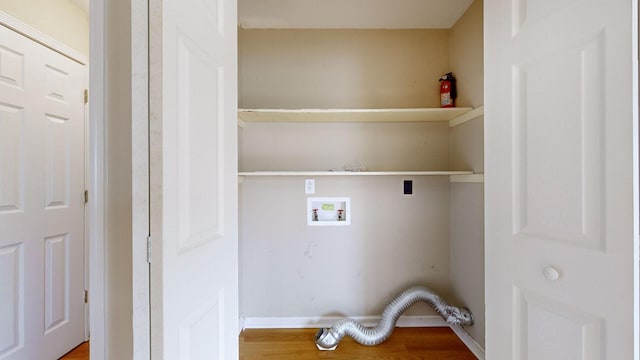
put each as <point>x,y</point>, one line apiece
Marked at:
<point>353,173</point>
<point>471,178</point>
<point>351,115</point>
<point>468,116</point>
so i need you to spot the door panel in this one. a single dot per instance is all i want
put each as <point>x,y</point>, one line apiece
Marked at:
<point>199,203</point>
<point>56,275</point>
<point>57,162</point>
<point>575,335</point>
<point>559,147</point>
<point>560,132</point>
<point>11,67</point>
<point>193,149</point>
<point>41,200</point>
<point>11,158</point>
<point>12,282</point>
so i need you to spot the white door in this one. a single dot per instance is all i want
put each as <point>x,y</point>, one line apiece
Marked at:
<point>41,200</point>
<point>193,149</point>
<point>559,137</point>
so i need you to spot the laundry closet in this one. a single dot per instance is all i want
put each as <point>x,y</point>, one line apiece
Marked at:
<point>353,115</point>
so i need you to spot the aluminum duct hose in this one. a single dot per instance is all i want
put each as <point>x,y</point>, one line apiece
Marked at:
<point>328,338</point>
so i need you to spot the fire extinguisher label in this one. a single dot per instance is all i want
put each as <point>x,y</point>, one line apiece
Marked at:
<point>445,100</point>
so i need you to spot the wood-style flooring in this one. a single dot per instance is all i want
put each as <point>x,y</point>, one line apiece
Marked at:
<point>405,343</point>
<point>81,352</point>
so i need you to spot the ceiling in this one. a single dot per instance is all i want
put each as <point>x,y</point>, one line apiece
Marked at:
<point>350,14</point>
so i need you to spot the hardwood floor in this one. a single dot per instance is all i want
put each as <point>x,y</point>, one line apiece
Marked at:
<point>405,343</point>
<point>81,352</point>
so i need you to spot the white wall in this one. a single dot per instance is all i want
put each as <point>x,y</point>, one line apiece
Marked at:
<point>59,19</point>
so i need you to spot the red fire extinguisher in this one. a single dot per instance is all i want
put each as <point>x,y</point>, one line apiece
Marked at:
<point>448,92</point>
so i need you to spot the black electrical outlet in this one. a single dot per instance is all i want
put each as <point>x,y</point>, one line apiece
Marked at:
<point>408,187</point>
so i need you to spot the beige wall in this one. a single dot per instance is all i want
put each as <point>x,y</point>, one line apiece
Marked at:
<point>467,146</point>
<point>467,223</point>
<point>118,225</point>
<point>467,252</point>
<point>395,240</point>
<point>341,68</point>
<point>361,68</point>
<point>312,146</point>
<point>59,19</point>
<point>466,56</point>
<point>467,152</point>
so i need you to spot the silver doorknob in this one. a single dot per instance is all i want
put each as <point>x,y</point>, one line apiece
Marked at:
<point>551,273</point>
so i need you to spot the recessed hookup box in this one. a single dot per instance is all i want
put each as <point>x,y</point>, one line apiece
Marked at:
<point>329,211</point>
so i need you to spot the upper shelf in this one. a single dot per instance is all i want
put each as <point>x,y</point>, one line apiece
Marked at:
<point>352,115</point>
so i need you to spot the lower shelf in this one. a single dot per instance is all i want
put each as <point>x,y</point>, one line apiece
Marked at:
<point>353,173</point>
<point>473,178</point>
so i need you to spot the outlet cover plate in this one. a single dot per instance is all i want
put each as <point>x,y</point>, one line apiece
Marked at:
<point>309,186</point>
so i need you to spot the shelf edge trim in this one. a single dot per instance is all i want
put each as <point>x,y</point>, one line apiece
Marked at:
<point>467,178</point>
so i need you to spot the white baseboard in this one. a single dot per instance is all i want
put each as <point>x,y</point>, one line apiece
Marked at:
<point>241,326</point>
<point>327,321</point>
<point>471,343</point>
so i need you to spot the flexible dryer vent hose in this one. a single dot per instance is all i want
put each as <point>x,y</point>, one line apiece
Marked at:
<point>328,338</point>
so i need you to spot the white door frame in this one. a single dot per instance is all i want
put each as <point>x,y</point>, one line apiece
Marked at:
<point>97,176</point>
<point>140,211</point>
<point>98,179</point>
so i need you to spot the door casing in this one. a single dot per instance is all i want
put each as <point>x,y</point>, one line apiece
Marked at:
<point>99,329</point>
